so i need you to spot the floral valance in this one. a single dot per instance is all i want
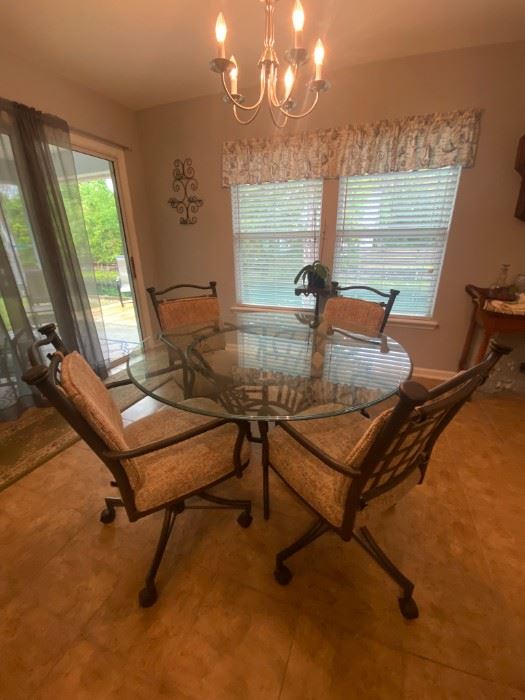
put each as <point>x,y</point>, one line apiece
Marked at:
<point>412,143</point>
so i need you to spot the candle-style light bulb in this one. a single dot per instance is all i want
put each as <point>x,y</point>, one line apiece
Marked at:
<point>220,34</point>
<point>234,75</point>
<point>298,24</point>
<point>289,79</point>
<point>318,59</point>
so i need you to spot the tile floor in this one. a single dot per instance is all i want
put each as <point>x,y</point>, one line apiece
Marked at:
<point>70,626</point>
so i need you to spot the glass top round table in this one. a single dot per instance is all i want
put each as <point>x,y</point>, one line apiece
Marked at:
<point>268,367</point>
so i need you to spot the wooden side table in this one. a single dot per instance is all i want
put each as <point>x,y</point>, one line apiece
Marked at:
<point>491,322</point>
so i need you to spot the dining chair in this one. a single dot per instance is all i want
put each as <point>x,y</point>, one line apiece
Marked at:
<point>359,315</point>
<point>349,470</point>
<point>176,316</point>
<point>159,463</point>
<point>172,313</point>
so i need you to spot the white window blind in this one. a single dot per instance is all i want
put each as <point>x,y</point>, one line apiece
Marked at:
<point>279,344</point>
<point>276,229</point>
<point>392,231</point>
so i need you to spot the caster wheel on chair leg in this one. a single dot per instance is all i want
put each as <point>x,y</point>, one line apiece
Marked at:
<point>148,596</point>
<point>107,516</point>
<point>282,575</point>
<point>245,519</point>
<point>408,608</point>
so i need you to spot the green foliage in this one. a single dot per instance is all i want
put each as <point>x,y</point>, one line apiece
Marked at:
<point>14,211</point>
<point>102,220</point>
<point>106,281</point>
<point>314,274</point>
<point>100,215</point>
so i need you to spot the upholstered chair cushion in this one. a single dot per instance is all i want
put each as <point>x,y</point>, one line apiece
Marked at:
<point>162,475</point>
<point>92,400</point>
<point>180,469</point>
<point>174,313</point>
<point>184,318</point>
<point>345,438</point>
<point>94,403</point>
<point>355,315</point>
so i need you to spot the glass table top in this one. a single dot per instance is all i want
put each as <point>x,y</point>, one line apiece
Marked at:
<point>268,367</point>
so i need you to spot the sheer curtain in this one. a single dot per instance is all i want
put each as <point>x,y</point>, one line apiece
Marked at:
<point>45,262</point>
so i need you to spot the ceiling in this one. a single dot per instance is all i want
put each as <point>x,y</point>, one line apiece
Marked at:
<point>147,52</point>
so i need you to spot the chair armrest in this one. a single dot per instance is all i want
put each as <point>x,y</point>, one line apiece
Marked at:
<point>117,383</point>
<point>161,444</point>
<point>319,454</point>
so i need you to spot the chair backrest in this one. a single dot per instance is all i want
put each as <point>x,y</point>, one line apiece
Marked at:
<point>173,313</point>
<point>73,388</point>
<point>401,439</point>
<point>359,315</point>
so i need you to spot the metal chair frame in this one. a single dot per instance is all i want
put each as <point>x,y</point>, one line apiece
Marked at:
<point>387,305</point>
<point>46,378</point>
<point>423,414</point>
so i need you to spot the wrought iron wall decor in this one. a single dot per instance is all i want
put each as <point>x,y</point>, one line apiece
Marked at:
<point>184,184</point>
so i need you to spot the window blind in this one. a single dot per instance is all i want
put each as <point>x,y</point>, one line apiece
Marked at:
<point>278,345</point>
<point>276,229</point>
<point>365,368</point>
<point>391,234</point>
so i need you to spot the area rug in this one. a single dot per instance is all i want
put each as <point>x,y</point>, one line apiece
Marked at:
<point>41,433</point>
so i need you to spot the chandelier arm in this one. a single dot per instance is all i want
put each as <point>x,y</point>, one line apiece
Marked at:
<point>273,81</point>
<point>303,114</point>
<point>250,119</point>
<point>236,103</point>
<point>272,115</point>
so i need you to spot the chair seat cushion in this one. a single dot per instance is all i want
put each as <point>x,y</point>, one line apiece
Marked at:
<point>346,439</point>
<point>171,473</point>
<point>319,485</point>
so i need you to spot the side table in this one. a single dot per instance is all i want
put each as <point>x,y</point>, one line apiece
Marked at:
<point>491,322</point>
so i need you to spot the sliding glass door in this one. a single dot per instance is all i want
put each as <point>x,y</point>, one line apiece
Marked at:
<point>114,308</point>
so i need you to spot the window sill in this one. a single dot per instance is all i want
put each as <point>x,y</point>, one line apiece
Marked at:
<point>427,324</point>
<point>273,309</point>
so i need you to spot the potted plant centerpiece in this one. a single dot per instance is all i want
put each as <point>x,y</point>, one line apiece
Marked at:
<point>313,276</point>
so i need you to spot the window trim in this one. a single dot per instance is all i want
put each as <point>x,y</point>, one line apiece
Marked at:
<point>115,153</point>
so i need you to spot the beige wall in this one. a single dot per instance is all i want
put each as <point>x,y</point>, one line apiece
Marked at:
<point>88,111</point>
<point>484,231</point>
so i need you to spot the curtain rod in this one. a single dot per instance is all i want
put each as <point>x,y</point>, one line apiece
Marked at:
<point>82,132</point>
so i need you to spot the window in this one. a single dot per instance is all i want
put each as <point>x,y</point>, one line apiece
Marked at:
<point>276,228</point>
<point>392,232</point>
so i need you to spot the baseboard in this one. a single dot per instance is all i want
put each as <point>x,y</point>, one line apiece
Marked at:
<point>440,374</point>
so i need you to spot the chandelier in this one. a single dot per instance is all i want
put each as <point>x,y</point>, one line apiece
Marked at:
<point>281,102</point>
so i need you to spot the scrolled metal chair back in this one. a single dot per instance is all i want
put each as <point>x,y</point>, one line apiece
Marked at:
<point>409,432</point>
